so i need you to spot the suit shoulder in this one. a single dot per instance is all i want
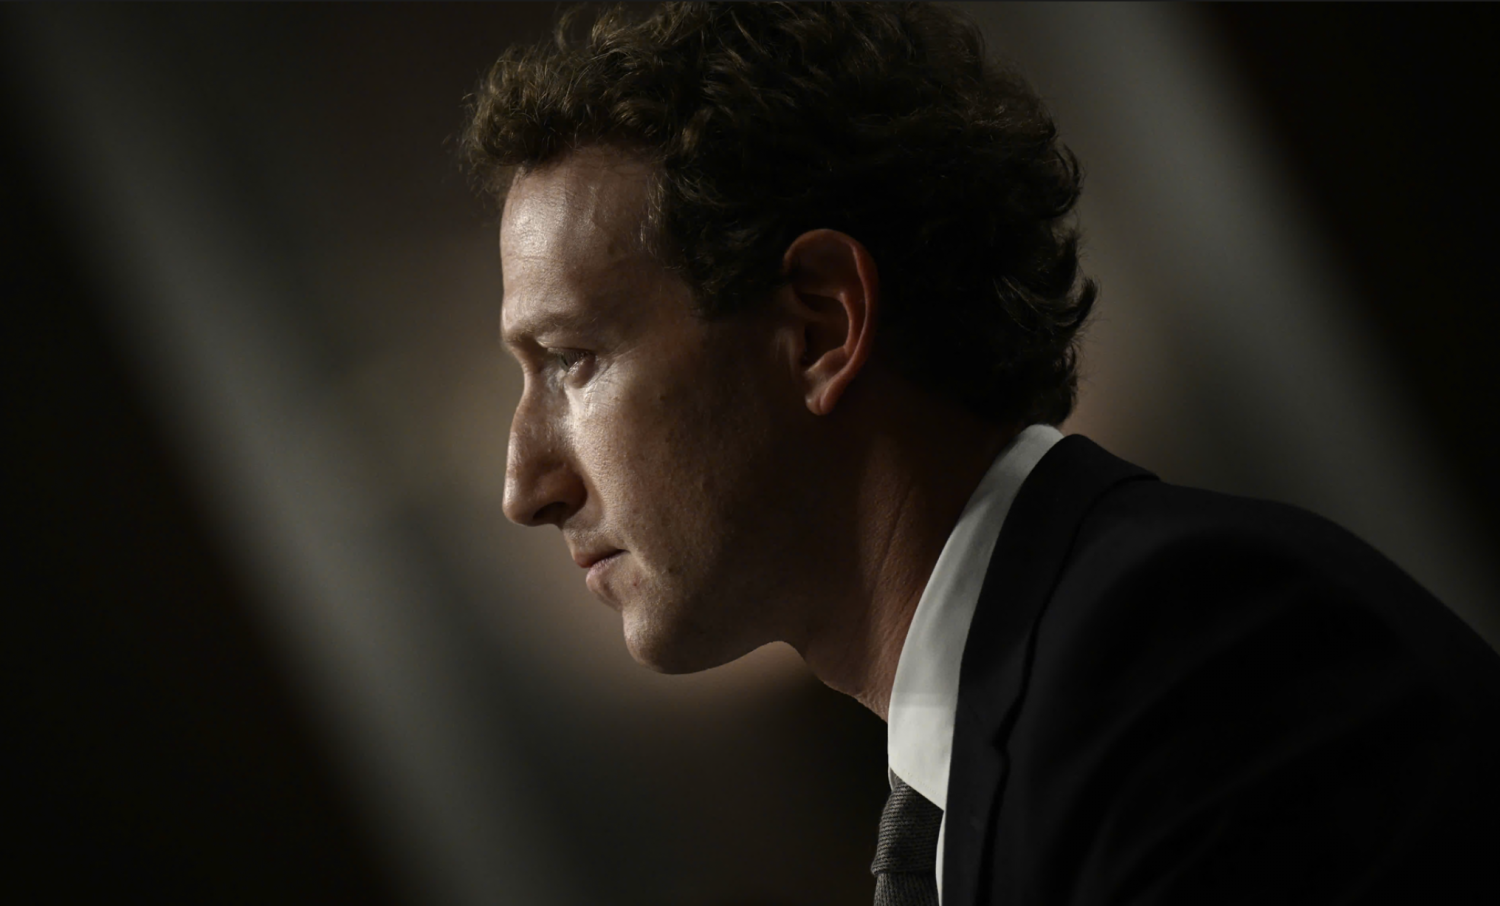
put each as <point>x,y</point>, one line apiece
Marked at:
<point>1231,695</point>
<point>1176,537</point>
<point>1162,576</point>
<point>1145,520</point>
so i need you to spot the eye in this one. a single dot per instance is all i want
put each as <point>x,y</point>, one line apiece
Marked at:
<point>568,359</point>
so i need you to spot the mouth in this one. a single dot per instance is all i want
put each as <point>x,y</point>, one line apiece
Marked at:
<point>599,567</point>
<point>588,561</point>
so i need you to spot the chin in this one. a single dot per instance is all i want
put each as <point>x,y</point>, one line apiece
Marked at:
<point>673,646</point>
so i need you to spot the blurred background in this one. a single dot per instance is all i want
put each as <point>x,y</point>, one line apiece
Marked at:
<point>276,641</point>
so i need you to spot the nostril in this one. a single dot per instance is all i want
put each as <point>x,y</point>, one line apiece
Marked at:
<point>552,514</point>
<point>541,486</point>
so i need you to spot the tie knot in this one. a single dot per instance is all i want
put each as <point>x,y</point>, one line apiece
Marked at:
<point>908,832</point>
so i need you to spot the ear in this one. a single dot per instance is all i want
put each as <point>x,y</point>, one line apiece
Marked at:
<point>833,295</point>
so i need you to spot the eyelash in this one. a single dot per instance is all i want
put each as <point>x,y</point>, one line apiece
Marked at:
<point>568,359</point>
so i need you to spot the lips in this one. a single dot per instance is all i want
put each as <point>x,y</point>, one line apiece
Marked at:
<point>588,559</point>
<point>599,567</point>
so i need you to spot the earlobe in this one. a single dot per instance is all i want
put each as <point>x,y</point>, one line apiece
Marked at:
<point>833,290</point>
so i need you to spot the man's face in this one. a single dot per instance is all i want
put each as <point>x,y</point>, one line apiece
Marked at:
<point>661,444</point>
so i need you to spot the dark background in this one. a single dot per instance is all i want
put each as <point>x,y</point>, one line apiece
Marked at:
<point>1385,113</point>
<point>171,752</point>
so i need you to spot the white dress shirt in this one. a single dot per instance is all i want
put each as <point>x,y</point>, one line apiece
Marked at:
<point>924,697</point>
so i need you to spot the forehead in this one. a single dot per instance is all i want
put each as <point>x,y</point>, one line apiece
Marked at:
<point>571,234</point>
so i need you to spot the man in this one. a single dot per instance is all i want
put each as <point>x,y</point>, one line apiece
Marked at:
<point>796,300</point>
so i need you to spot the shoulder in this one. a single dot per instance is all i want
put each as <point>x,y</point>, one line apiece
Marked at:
<point>1171,592</point>
<point>1215,682</point>
<point>1159,573</point>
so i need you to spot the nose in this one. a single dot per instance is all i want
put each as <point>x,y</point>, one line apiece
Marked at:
<point>542,486</point>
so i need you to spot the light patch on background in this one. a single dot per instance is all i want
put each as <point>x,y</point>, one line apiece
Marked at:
<point>1260,379</point>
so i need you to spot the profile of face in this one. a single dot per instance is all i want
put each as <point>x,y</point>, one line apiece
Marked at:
<point>671,450</point>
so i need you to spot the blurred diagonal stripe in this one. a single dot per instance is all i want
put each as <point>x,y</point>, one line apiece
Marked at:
<point>199,306</point>
<point>1195,229</point>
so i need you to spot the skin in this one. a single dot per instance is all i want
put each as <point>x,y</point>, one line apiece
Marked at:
<point>756,478</point>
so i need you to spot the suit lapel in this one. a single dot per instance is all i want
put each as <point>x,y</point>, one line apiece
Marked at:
<point>1029,555</point>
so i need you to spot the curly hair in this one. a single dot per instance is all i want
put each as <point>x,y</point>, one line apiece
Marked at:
<point>762,121</point>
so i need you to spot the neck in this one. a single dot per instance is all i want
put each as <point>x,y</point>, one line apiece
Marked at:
<point>913,484</point>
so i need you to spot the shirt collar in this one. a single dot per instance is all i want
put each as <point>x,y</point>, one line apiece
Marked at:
<point>924,696</point>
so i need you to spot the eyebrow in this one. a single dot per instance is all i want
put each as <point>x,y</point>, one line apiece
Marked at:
<point>525,333</point>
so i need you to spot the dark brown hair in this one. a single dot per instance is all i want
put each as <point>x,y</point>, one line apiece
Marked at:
<point>882,121</point>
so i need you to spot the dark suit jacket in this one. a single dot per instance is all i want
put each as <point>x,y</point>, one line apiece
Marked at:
<point>1175,696</point>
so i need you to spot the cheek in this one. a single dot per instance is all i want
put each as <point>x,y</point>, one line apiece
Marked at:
<point>636,441</point>
<point>676,444</point>
<point>663,452</point>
